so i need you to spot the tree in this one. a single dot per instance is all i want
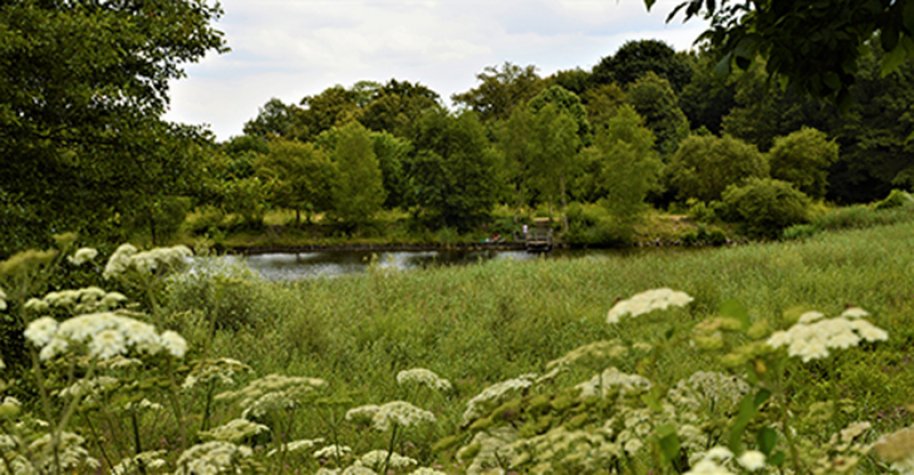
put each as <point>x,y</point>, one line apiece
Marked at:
<point>500,90</point>
<point>396,106</point>
<point>393,155</point>
<point>803,158</point>
<point>277,119</point>
<point>637,58</point>
<point>358,189</point>
<point>334,106</point>
<point>709,96</point>
<point>655,100</point>
<point>823,63</point>
<point>602,103</point>
<point>704,166</point>
<point>298,176</point>
<point>630,168</point>
<point>454,173</point>
<point>80,83</point>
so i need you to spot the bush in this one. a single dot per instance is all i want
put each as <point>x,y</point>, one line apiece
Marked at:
<point>592,225</point>
<point>705,236</point>
<point>803,158</point>
<point>704,166</point>
<point>896,199</point>
<point>766,206</point>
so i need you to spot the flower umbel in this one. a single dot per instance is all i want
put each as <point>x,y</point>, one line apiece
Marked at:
<point>646,302</point>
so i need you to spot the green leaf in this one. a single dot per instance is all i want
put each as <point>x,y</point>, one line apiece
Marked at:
<point>722,69</point>
<point>766,438</point>
<point>669,442</point>
<point>649,4</point>
<point>777,459</point>
<point>748,408</point>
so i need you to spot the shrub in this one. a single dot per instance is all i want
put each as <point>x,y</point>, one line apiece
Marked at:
<point>896,199</point>
<point>592,225</point>
<point>766,206</point>
<point>704,166</point>
<point>803,158</point>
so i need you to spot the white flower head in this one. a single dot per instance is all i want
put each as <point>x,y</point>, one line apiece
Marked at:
<point>41,331</point>
<point>855,312</point>
<point>752,460</point>
<point>174,343</point>
<point>82,255</point>
<point>423,377</point>
<point>813,338</point>
<point>646,302</point>
<point>400,413</point>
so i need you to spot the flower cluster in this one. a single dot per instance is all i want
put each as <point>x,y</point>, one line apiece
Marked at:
<point>400,413</point>
<point>813,335</point>
<point>82,255</point>
<point>85,300</point>
<point>577,451</point>
<point>597,351</point>
<point>613,381</point>
<point>423,377</point>
<point>218,370</point>
<point>128,258</point>
<point>646,302</point>
<point>493,395</point>
<point>273,392</point>
<point>71,455</point>
<point>235,431</point>
<point>105,334</point>
<point>152,460</point>
<point>897,449</point>
<point>296,446</point>
<point>487,449</point>
<point>716,461</point>
<point>212,457</point>
<point>332,451</point>
<point>375,459</point>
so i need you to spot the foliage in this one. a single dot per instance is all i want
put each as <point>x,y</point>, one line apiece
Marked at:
<point>630,168</point>
<point>708,97</point>
<point>357,188</point>
<point>298,176</point>
<point>500,90</point>
<point>803,158</point>
<point>780,33</point>
<point>654,99</point>
<point>704,166</point>
<point>80,123</point>
<point>454,174</point>
<point>634,59</point>
<point>765,206</point>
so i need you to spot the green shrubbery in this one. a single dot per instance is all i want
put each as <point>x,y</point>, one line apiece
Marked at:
<point>764,206</point>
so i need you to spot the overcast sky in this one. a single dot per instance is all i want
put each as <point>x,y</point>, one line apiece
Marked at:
<point>289,49</point>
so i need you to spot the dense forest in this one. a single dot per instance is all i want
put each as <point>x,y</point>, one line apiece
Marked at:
<point>592,148</point>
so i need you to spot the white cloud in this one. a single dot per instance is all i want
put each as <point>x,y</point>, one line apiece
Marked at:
<point>293,48</point>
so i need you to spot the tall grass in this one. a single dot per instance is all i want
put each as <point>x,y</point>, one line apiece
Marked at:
<point>484,323</point>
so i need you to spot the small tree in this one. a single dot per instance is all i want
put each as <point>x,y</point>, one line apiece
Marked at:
<point>358,189</point>
<point>656,101</point>
<point>803,158</point>
<point>630,168</point>
<point>705,165</point>
<point>298,176</point>
<point>765,206</point>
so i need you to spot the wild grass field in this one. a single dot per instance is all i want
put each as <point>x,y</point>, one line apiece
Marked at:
<point>552,386</point>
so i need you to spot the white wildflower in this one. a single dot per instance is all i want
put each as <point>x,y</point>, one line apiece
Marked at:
<point>811,316</point>
<point>273,392</point>
<point>332,451</point>
<point>107,343</point>
<point>154,261</point>
<point>36,305</point>
<point>752,460</point>
<point>358,469</point>
<point>493,395</point>
<point>426,471</point>
<point>812,339</point>
<point>40,331</point>
<point>90,387</point>
<point>646,302</point>
<point>153,460</point>
<point>399,413</point>
<point>235,431</point>
<point>54,348</point>
<point>363,414</point>
<point>296,446</point>
<point>855,312</point>
<point>599,350</point>
<point>71,454</point>
<point>611,379</point>
<point>423,377</point>
<point>708,467</point>
<point>120,261</point>
<point>215,371</point>
<point>82,255</point>
<point>144,405</point>
<point>375,459</point>
<point>174,343</point>
<point>212,458</point>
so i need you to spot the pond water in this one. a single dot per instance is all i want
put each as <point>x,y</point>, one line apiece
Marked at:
<point>304,265</point>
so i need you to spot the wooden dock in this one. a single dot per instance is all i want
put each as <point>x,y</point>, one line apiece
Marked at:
<point>539,237</point>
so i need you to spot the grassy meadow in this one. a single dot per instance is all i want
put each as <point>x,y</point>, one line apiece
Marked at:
<point>481,324</point>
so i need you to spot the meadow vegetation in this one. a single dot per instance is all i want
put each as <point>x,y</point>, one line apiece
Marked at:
<point>532,367</point>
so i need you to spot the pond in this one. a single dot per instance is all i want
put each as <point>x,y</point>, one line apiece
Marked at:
<point>304,265</point>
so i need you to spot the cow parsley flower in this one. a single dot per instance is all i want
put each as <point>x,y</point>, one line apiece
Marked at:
<point>375,459</point>
<point>216,371</point>
<point>107,344</point>
<point>332,451</point>
<point>358,469</point>
<point>152,460</point>
<point>426,471</point>
<point>212,457</point>
<point>82,255</point>
<point>174,343</point>
<point>273,392</point>
<point>71,454</point>
<point>296,446</point>
<point>611,380</point>
<point>423,377</point>
<point>493,395</point>
<point>646,302</point>
<point>154,261</point>
<point>400,413</point>
<point>40,331</point>
<point>811,339</point>
<point>235,431</point>
<point>897,449</point>
<point>752,460</point>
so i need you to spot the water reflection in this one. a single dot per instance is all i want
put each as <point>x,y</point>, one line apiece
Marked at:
<point>294,266</point>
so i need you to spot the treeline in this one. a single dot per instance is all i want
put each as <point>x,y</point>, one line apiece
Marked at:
<point>646,126</point>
